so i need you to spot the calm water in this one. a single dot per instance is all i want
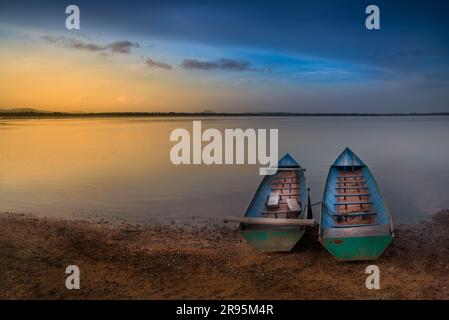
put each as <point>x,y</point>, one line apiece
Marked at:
<point>120,168</point>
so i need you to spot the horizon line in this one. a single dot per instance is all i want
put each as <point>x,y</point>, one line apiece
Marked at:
<point>21,113</point>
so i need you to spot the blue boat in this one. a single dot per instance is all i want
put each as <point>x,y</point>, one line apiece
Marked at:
<point>355,222</point>
<point>279,211</point>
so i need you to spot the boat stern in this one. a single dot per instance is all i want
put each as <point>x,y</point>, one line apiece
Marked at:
<point>281,239</point>
<point>357,243</point>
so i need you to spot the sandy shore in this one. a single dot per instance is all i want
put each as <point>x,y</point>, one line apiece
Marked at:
<point>171,262</point>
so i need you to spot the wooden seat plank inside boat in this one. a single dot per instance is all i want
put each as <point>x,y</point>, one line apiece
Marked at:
<point>293,205</point>
<point>273,200</point>
<point>289,179</point>
<point>354,214</point>
<point>354,185</point>
<point>351,188</point>
<point>349,195</point>
<point>355,225</point>
<point>286,188</point>
<point>346,177</point>
<point>353,203</point>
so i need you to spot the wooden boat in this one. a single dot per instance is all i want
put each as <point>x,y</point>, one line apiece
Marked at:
<point>355,223</point>
<point>278,213</point>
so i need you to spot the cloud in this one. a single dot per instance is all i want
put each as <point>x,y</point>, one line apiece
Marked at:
<point>74,43</point>
<point>156,64</point>
<point>221,64</point>
<point>123,46</point>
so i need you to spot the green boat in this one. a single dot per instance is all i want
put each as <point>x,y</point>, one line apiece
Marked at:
<point>355,222</point>
<point>279,211</point>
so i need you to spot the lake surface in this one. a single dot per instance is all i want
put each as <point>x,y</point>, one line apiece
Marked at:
<point>120,168</point>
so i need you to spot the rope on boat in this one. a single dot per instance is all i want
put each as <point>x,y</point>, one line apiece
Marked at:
<point>314,204</point>
<point>324,204</point>
<point>332,211</point>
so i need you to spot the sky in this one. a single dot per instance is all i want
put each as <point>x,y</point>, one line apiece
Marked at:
<point>225,56</point>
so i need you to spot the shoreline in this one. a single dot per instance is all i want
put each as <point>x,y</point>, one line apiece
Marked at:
<point>125,261</point>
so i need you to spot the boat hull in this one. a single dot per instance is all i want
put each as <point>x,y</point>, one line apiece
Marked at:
<point>357,248</point>
<point>355,223</point>
<point>280,239</point>
<point>272,237</point>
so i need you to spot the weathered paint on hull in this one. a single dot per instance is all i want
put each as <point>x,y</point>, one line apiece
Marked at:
<point>357,248</point>
<point>272,240</point>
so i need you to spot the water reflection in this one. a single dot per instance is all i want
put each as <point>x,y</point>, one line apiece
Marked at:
<point>76,168</point>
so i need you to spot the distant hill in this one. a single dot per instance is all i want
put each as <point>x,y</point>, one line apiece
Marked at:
<point>23,110</point>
